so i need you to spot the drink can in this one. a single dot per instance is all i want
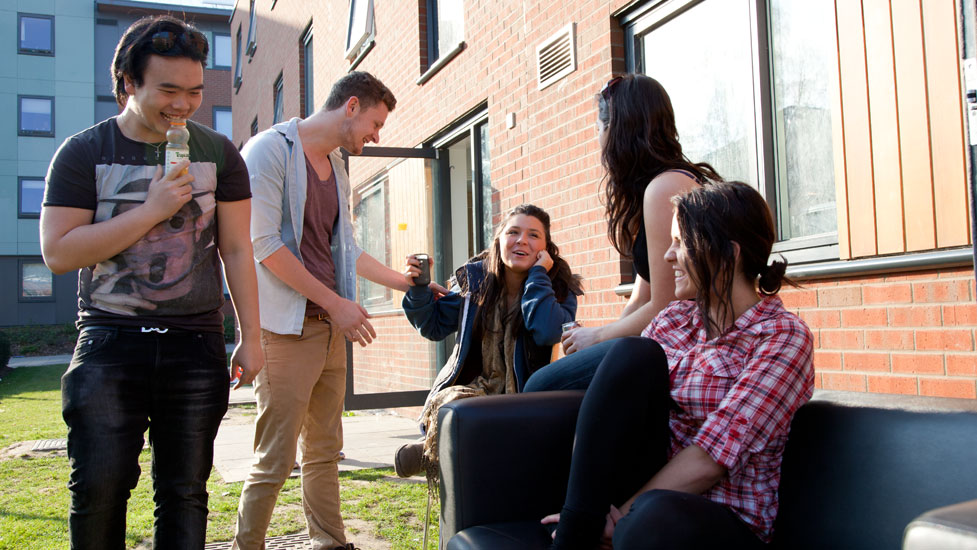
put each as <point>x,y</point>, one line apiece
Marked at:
<point>567,327</point>
<point>424,278</point>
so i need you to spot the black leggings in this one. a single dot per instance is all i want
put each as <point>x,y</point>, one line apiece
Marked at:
<point>622,440</point>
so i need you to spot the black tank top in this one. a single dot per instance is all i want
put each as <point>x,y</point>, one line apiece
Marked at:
<point>639,249</point>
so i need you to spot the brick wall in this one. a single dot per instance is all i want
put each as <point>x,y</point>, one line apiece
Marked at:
<point>550,158</point>
<point>906,333</point>
<point>217,91</point>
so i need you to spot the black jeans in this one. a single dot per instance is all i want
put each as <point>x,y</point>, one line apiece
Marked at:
<point>120,382</point>
<point>622,440</point>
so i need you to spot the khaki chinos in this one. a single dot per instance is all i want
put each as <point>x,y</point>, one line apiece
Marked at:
<point>300,392</point>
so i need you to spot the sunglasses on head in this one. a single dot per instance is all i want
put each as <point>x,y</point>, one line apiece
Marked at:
<point>164,41</point>
<point>605,92</point>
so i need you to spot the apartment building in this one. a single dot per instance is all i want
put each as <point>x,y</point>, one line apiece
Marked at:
<point>57,83</point>
<point>848,116</point>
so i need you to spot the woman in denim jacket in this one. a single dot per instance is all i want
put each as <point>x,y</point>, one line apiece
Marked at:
<point>507,306</point>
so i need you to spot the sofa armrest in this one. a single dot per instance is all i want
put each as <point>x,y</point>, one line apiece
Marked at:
<point>504,458</point>
<point>947,528</point>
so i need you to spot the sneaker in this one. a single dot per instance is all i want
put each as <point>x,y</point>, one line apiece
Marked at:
<point>409,460</point>
<point>347,546</point>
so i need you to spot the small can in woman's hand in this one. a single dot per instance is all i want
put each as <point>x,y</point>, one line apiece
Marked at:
<point>568,326</point>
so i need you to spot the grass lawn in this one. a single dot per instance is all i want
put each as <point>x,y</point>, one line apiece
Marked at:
<point>34,497</point>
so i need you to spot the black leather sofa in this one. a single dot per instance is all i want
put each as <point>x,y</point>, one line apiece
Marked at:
<point>858,468</point>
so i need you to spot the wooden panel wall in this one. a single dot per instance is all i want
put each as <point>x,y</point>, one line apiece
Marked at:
<point>902,179</point>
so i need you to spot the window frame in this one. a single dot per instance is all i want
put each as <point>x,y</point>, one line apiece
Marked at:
<point>377,185</point>
<point>435,58</point>
<point>651,15</point>
<point>21,262</point>
<point>433,48</point>
<point>356,48</point>
<point>32,51</point>
<point>308,74</point>
<point>21,214</point>
<point>238,69</point>
<point>230,51</point>
<point>254,126</point>
<point>221,109</point>
<point>20,114</point>
<point>469,127</point>
<point>278,99</point>
<point>252,43</point>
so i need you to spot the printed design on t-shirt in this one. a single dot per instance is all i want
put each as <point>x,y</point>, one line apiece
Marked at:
<point>168,271</point>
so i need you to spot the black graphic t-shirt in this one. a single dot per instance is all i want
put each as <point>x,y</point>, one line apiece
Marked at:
<point>170,277</point>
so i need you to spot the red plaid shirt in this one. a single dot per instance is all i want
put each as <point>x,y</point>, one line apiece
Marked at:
<point>736,396</point>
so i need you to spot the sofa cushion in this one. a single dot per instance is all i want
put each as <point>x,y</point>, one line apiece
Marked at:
<point>523,535</point>
<point>859,467</point>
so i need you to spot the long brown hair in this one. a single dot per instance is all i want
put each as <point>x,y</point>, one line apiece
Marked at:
<point>493,286</point>
<point>642,142</point>
<point>710,219</point>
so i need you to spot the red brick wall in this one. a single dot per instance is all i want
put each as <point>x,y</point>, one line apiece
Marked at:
<point>217,91</point>
<point>905,333</point>
<point>550,157</point>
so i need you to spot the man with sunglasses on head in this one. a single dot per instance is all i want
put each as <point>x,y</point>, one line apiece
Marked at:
<point>307,266</point>
<point>148,248</point>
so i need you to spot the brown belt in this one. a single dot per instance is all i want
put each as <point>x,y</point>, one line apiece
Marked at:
<point>318,317</point>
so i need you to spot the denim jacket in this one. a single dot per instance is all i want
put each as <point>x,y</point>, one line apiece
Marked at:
<point>276,163</point>
<point>542,315</point>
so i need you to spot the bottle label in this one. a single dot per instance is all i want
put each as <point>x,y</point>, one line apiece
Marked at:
<point>174,156</point>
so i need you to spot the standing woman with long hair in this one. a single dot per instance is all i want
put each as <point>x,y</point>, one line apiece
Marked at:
<point>645,168</point>
<point>507,306</point>
<point>680,437</point>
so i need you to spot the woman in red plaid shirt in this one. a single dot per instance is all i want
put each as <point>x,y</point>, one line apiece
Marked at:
<point>681,433</point>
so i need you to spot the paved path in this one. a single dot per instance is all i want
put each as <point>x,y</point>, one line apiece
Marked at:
<point>45,360</point>
<point>370,439</point>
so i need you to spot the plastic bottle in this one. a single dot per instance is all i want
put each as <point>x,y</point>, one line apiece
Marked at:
<point>177,145</point>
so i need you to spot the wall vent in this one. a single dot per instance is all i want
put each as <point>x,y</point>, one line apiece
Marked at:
<point>556,57</point>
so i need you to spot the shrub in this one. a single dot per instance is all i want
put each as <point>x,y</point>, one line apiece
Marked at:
<point>29,340</point>
<point>229,329</point>
<point>4,349</point>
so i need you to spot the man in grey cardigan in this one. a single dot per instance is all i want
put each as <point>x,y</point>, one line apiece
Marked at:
<point>307,261</point>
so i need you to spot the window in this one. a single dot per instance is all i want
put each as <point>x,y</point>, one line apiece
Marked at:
<point>254,126</point>
<point>308,95</point>
<point>279,101</point>
<point>222,51</point>
<point>445,28</point>
<point>36,282</point>
<point>359,28</point>
<point>105,107</point>
<point>106,37</point>
<point>778,136</point>
<point>35,116</point>
<point>222,121</point>
<point>252,32</point>
<point>237,60</point>
<point>35,34</point>
<point>465,212</point>
<point>802,45</point>
<point>371,214</point>
<point>30,193</point>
